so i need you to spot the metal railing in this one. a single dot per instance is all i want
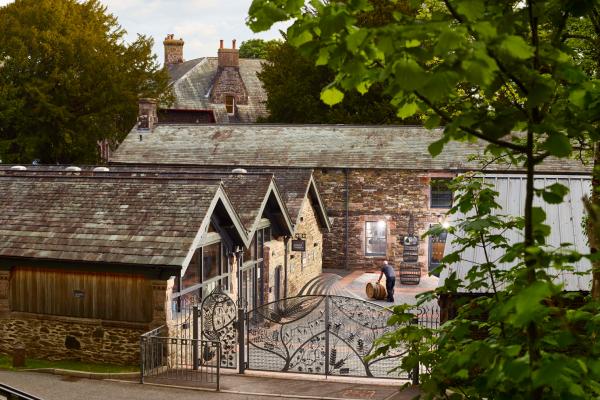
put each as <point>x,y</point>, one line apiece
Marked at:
<point>180,361</point>
<point>10,393</point>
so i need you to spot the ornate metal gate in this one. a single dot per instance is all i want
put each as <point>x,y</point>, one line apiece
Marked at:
<point>320,334</point>
<point>219,323</point>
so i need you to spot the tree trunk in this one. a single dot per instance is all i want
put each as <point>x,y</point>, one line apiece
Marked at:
<point>593,225</point>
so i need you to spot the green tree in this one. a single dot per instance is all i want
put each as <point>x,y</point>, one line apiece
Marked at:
<point>68,79</point>
<point>484,70</point>
<point>256,48</point>
<point>293,83</point>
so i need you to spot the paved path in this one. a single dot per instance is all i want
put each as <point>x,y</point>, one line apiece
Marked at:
<point>356,282</point>
<point>54,387</point>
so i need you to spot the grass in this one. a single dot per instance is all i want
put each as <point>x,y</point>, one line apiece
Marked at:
<point>32,363</point>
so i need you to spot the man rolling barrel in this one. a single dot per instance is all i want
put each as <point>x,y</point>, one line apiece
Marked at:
<point>390,279</point>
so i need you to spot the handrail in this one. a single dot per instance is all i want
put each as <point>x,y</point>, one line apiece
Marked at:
<point>15,394</point>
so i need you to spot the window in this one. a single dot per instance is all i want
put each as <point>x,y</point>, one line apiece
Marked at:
<point>441,195</point>
<point>375,238</point>
<point>230,104</point>
<point>192,273</point>
<point>210,261</point>
<point>437,244</point>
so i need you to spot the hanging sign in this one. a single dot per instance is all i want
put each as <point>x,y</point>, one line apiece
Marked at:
<point>298,245</point>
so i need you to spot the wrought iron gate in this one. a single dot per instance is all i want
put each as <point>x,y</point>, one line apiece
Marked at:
<point>219,315</point>
<point>320,334</point>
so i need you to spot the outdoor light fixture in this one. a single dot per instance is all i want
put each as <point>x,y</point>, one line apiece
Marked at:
<point>443,221</point>
<point>445,224</point>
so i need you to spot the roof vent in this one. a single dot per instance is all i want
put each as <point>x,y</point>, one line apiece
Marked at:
<point>18,168</point>
<point>73,169</point>
<point>239,171</point>
<point>101,169</point>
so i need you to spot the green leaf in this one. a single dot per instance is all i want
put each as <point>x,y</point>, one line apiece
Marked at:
<point>516,47</point>
<point>412,43</point>
<point>471,9</point>
<point>332,96</point>
<point>577,97</point>
<point>558,145</point>
<point>407,110</point>
<point>436,147</point>
<point>555,193</point>
<point>298,40</point>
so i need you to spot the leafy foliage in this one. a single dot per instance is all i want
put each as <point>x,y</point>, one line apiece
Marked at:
<point>294,84</point>
<point>498,71</point>
<point>256,48</point>
<point>68,79</point>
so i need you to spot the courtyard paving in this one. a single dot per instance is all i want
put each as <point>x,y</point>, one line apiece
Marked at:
<point>356,281</point>
<point>55,387</point>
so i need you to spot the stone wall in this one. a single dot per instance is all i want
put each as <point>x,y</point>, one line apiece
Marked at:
<point>229,82</point>
<point>374,195</point>
<point>56,337</point>
<point>304,266</point>
<point>64,338</point>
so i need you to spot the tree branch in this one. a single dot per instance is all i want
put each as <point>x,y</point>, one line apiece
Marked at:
<point>447,119</point>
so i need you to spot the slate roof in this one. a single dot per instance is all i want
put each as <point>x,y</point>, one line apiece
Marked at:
<point>564,219</point>
<point>247,193</point>
<point>192,83</point>
<point>148,221</point>
<point>293,184</point>
<point>308,146</point>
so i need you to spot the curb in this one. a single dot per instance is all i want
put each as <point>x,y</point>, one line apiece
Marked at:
<point>84,374</point>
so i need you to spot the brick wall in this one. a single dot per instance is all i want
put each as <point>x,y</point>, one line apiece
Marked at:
<point>374,195</point>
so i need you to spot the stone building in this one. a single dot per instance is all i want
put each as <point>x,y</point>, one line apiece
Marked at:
<point>381,188</point>
<point>111,254</point>
<point>224,88</point>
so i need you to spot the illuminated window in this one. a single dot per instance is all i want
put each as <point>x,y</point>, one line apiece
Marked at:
<point>230,104</point>
<point>375,238</point>
<point>437,243</point>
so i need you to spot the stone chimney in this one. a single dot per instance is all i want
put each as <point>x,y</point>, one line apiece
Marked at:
<point>229,57</point>
<point>173,50</point>
<point>147,114</point>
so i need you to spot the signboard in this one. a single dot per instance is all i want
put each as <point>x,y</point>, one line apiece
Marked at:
<point>298,245</point>
<point>78,294</point>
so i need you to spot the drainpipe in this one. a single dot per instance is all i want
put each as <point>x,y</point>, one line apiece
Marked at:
<point>346,227</point>
<point>286,240</point>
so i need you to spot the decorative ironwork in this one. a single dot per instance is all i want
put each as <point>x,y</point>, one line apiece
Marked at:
<point>189,362</point>
<point>328,335</point>
<point>218,322</point>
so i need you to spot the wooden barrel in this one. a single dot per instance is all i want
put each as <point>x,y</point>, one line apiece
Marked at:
<point>376,291</point>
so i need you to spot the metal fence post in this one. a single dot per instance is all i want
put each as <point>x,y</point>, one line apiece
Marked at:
<point>415,371</point>
<point>241,319</point>
<point>142,347</point>
<point>326,335</point>
<point>195,337</point>
<point>219,355</point>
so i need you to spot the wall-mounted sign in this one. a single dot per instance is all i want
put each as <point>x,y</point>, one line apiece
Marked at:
<point>298,245</point>
<point>411,240</point>
<point>78,294</point>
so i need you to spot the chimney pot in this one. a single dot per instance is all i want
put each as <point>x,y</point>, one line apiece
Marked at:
<point>229,57</point>
<point>221,43</point>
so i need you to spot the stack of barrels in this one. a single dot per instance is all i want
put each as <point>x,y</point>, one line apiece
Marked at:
<point>376,291</point>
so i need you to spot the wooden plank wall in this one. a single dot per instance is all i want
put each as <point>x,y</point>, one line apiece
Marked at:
<point>116,297</point>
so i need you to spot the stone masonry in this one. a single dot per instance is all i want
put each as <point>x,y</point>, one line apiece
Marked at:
<point>375,195</point>
<point>84,339</point>
<point>307,265</point>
